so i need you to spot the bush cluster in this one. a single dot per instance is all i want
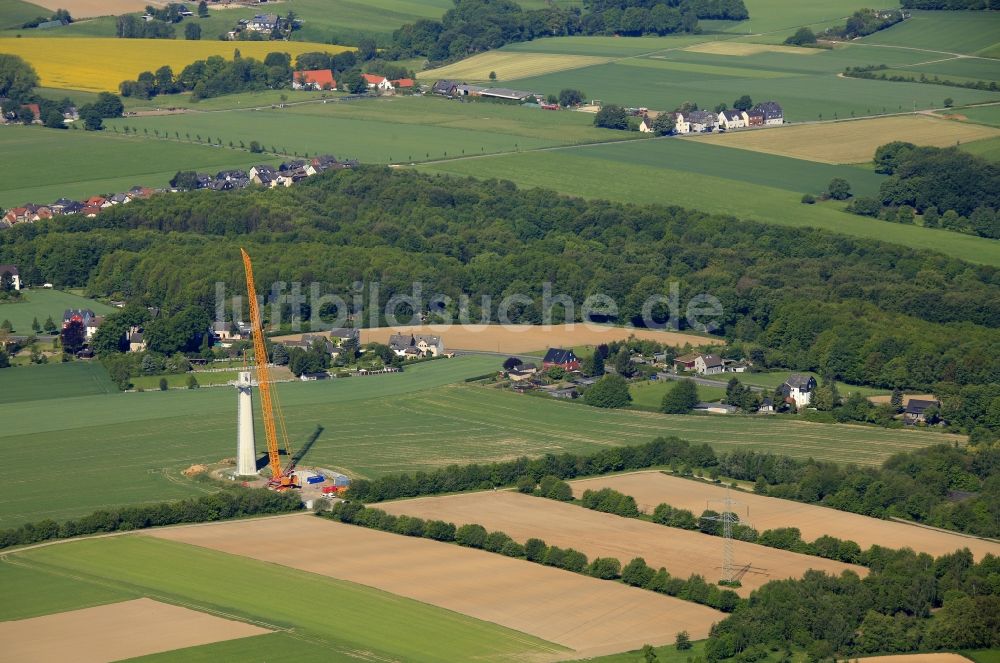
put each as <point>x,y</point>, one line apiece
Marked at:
<point>636,573</point>
<point>234,503</point>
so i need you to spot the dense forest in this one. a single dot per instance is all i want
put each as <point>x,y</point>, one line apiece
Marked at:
<point>473,26</point>
<point>852,309</point>
<point>949,188</point>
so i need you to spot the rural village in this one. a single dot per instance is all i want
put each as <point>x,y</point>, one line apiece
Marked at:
<point>437,331</point>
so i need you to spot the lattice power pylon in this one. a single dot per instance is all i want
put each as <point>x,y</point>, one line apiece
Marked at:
<point>728,518</point>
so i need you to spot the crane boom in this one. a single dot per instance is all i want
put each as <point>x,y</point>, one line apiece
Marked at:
<point>263,376</point>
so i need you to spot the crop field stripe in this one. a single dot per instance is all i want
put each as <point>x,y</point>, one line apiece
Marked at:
<point>378,622</point>
<point>100,64</point>
<point>509,65</point>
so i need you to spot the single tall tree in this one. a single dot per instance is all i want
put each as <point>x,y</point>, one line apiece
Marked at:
<point>73,336</point>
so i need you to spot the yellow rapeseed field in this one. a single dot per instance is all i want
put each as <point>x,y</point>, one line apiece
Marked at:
<point>509,65</point>
<point>99,64</point>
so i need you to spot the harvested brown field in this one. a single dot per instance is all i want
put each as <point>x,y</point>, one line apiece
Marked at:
<point>588,615</point>
<point>115,632</point>
<point>741,49</point>
<point>605,535</point>
<point>528,338</point>
<point>917,658</point>
<point>885,398</point>
<point>88,8</point>
<point>851,141</point>
<point>652,488</point>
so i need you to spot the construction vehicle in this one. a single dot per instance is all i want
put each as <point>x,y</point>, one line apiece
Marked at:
<point>281,478</point>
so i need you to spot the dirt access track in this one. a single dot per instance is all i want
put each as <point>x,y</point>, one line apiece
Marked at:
<point>916,658</point>
<point>652,488</point>
<point>528,338</point>
<point>115,632</point>
<point>590,616</point>
<point>598,534</point>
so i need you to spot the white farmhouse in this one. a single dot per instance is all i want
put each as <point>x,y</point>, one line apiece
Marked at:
<point>731,119</point>
<point>798,389</point>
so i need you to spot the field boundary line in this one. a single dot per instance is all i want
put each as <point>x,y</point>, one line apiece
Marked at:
<point>939,529</point>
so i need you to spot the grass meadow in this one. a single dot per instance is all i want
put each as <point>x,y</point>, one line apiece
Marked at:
<point>969,33</point>
<point>417,420</point>
<point>40,303</point>
<point>648,395</point>
<point>78,164</point>
<point>334,619</point>
<point>54,381</point>
<point>400,129</point>
<point>673,172</point>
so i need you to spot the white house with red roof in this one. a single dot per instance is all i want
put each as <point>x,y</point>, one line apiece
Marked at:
<point>314,79</point>
<point>374,81</point>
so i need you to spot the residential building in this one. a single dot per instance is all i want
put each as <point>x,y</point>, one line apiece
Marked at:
<point>344,334</point>
<point>708,365</point>
<point>314,79</point>
<point>226,331</point>
<point>684,363</point>
<point>403,83</point>
<point>681,124</point>
<point>469,90</point>
<point>445,87</point>
<point>565,359</point>
<point>263,175</point>
<point>702,121</point>
<point>731,119</point>
<point>771,110</point>
<point>753,117</point>
<point>766,406</point>
<point>82,315</point>
<point>798,389</point>
<point>263,23</point>
<point>136,342</point>
<point>916,410</point>
<point>416,345</point>
<point>377,82</point>
<point>15,275</point>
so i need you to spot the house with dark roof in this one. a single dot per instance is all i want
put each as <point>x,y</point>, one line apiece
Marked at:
<point>342,334</point>
<point>798,389</point>
<point>684,363</point>
<point>754,117</point>
<point>731,119</point>
<point>708,365</point>
<point>702,121</point>
<point>412,346</point>
<point>917,409</point>
<point>445,87</point>
<point>771,110</point>
<point>565,359</point>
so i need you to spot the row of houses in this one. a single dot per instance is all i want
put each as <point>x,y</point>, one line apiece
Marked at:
<point>286,175</point>
<point>449,88</point>
<point>323,79</point>
<point>709,364</point>
<point>765,114</point>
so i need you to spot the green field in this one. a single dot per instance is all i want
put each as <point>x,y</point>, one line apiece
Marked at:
<point>130,448</point>
<point>987,149</point>
<point>607,46</point>
<point>333,618</point>
<point>54,381</point>
<point>179,381</point>
<point>78,164</point>
<point>41,303</point>
<point>665,654</point>
<point>648,395</point>
<point>387,130</point>
<point>968,32</point>
<point>668,80</point>
<point>983,115</point>
<point>643,174</point>
<point>14,13</point>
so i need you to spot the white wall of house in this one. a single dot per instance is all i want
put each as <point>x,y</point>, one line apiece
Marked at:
<point>801,398</point>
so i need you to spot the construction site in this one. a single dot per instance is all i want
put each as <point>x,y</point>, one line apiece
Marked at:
<point>279,469</point>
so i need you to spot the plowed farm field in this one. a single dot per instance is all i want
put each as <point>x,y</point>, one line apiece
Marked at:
<point>598,534</point>
<point>587,615</point>
<point>652,488</point>
<point>114,632</point>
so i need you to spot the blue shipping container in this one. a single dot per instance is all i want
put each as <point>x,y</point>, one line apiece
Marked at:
<point>315,480</point>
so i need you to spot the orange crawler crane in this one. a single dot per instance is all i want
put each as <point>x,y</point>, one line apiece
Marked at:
<point>280,479</point>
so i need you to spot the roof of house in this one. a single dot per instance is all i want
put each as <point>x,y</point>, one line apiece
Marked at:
<point>918,405</point>
<point>685,359</point>
<point>135,337</point>
<point>320,77</point>
<point>711,360</point>
<point>345,332</point>
<point>770,109</point>
<point>373,79</point>
<point>559,356</point>
<point>403,82</point>
<point>85,313</point>
<point>445,85</point>
<point>702,117</point>
<point>506,93</point>
<point>800,382</point>
<point>400,341</point>
<point>11,269</point>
